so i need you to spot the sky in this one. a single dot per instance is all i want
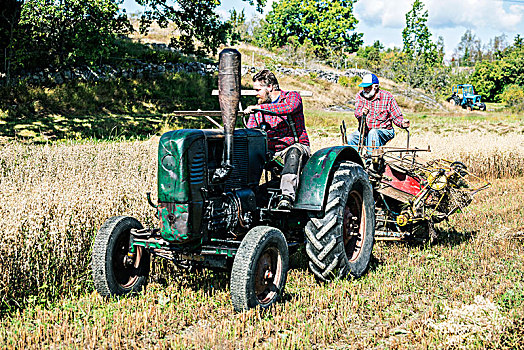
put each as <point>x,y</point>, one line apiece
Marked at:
<point>384,19</point>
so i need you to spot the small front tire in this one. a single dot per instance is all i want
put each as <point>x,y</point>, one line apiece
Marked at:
<point>259,272</point>
<point>113,273</point>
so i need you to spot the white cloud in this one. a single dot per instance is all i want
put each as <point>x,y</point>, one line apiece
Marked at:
<point>443,14</point>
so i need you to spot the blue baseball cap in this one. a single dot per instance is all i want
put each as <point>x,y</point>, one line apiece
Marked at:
<point>368,80</point>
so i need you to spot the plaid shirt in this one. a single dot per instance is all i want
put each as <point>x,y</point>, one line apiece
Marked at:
<point>383,110</point>
<point>289,104</point>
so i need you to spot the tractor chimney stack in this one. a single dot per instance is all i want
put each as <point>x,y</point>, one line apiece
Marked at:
<point>229,97</point>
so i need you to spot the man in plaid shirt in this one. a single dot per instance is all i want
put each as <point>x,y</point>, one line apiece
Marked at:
<point>288,140</point>
<point>378,110</point>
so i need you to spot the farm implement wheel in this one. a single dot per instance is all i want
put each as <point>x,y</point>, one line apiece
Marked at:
<point>114,271</point>
<point>260,269</point>
<point>340,243</point>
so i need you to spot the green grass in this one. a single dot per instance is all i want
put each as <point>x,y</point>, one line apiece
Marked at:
<point>133,109</point>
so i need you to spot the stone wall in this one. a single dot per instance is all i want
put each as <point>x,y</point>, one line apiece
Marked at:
<point>137,69</point>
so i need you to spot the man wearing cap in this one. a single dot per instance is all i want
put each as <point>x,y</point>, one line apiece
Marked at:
<point>377,109</point>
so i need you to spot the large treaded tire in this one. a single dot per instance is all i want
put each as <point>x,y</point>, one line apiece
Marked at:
<point>259,272</point>
<point>339,244</point>
<point>110,275</point>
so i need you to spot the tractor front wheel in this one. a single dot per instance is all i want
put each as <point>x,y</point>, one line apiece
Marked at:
<point>114,271</point>
<point>260,269</point>
<point>340,243</point>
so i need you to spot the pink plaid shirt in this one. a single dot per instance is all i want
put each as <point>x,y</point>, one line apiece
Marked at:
<point>383,109</point>
<point>289,104</point>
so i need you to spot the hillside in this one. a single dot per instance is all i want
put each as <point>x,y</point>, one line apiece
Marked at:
<point>137,105</point>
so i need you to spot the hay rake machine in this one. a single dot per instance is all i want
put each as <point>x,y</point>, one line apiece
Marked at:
<point>412,194</point>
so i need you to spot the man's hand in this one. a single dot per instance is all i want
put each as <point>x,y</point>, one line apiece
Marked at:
<point>249,109</point>
<point>365,111</point>
<point>405,123</point>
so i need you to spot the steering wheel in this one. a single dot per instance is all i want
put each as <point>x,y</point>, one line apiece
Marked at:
<point>265,126</point>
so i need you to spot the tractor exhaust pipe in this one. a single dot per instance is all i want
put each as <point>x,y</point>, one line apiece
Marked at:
<point>229,96</point>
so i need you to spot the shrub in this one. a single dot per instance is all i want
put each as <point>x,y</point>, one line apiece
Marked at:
<point>513,97</point>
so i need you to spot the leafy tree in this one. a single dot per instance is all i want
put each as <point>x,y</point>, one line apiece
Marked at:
<point>325,25</point>
<point>238,23</point>
<point>492,77</point>
<point>65,32</point>
<point>199,30</point>
<point>468,51</point>
<point>440,48</point>
<point>9,18</point>
<point>513,96</point>
<point>518,41</point>
<point>495,48</point>
<point>416,36</point>
<point>370,55</point>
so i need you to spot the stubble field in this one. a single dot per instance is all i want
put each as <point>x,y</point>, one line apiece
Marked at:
<point>466,291</point>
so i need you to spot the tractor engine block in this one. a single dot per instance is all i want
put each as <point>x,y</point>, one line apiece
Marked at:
<point>232,211</point>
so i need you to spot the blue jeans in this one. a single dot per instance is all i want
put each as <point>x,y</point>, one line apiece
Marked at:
<point>377,136</point>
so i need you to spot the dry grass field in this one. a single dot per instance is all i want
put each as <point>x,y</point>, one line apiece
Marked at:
<point>466,291</point>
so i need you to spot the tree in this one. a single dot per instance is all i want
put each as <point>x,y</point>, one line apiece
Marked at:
<point>371,55</point>
<point>468,51</point>
<point>417,37</point>
<point>199,30</point>
<point>238,23</point>
<point>67,32</point>
<point>326,26</point>
<point>491,78</point>
<point>498,45</point>
<point>440,48</point>
<point>9,19</point>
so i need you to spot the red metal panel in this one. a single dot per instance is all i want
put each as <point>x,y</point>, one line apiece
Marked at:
<point>401,181</point>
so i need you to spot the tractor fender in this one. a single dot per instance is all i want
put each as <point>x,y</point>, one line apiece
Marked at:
<point>314,179</point>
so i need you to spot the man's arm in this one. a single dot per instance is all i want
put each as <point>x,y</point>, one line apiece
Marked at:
<point>396,114</point>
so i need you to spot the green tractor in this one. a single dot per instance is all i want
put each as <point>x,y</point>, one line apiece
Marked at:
<point>216,209</point>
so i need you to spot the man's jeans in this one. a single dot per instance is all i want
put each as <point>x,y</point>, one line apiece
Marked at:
<point>378,137</point>
<point>294,158</point>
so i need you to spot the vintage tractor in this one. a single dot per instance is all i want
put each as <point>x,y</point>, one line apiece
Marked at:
<point>215,209</point>
<point>463,95</point>
<point>412,195</point>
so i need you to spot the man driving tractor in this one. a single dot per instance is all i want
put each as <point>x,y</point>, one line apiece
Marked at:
<point>287,136</point>
<point>375,110</point>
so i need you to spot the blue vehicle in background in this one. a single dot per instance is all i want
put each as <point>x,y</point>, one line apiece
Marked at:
<point>463,95</point>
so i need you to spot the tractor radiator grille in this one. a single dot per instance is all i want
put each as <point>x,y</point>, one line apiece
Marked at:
<point>197,169</point>
<point>239,176</point>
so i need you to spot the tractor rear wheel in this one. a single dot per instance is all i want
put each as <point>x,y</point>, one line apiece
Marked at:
<point>260,269</point>
<point>340,243</point>
<point>114,272</point>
